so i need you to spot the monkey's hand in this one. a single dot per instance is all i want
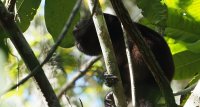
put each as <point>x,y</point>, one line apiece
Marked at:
<point>109,100</point>
<point>110,79</point>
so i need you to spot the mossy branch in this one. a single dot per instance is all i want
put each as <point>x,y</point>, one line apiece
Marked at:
<point>108,52</point>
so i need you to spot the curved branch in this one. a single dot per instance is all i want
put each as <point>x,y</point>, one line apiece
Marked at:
<point>78,75</point>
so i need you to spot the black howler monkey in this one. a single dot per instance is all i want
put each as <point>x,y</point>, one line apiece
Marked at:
<point>147,91</point>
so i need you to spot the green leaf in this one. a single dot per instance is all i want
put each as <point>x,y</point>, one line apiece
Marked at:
<point>56,15</point>
<point>179,46</point>
<point>187,64</point>
<point>180,27</point>
<point>191,8</point>
<point>154,11</point>
<point>175,46</point>
<point>26,10</point>
<point>183,20</point>
<point>183,24</point>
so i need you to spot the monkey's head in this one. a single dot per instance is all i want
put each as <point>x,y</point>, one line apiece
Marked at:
<point>86,37</point>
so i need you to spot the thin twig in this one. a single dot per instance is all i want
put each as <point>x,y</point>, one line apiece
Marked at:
<point>68,100</point>
<point>131,69</point>
<point>81,102</point>
<point>186,91</point>
<point>67,86</point>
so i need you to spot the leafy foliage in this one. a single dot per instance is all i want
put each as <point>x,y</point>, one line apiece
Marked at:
<point>180,19</point>
<point>56,15</point>
<point>183,26</point>
<point>26,10</point>
<point>154,11</point>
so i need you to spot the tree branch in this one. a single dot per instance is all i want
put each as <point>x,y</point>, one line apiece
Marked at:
<point>186,90</point>
<point>20,43</point>
<point>130,66</point>
<point>81,73</point>
<point>108,53</point>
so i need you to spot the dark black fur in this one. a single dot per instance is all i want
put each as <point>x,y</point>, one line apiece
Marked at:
<point>146,87</point>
